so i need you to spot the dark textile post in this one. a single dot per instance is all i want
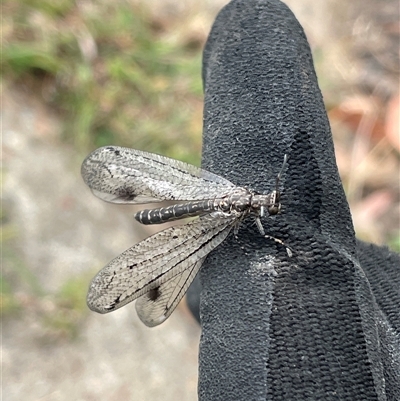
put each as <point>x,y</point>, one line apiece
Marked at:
<point>274,327</point>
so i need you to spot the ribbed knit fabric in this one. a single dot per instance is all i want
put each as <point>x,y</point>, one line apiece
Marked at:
<point>320,325</point>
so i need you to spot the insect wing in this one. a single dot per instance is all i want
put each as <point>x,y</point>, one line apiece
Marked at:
<point>150,264</point>
<point>123,175</point>
<point>156,306</point>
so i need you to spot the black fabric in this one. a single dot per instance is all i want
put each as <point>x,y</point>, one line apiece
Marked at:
<point>324,323</point>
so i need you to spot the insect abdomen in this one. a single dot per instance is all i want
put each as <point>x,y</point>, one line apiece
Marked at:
<point>174,212</point>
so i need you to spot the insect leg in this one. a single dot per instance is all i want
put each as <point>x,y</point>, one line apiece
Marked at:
<point>262,232</point>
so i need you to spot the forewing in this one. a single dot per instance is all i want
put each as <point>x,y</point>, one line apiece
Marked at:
<point>156,306</point>
<point>123,175</point>
<point>153,262</point>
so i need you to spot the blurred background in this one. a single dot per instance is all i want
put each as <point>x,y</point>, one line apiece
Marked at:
<point>77,75</point>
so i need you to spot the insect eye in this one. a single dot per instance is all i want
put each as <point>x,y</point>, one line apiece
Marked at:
<point>274,209</point>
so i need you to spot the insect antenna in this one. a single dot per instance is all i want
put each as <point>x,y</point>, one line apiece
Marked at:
<point>275,206</point>
<point>278,177</point>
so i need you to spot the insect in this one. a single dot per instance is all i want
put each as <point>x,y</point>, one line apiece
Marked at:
<point>158,270</point>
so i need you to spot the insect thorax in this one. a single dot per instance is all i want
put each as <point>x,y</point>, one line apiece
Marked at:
<point>245,201</point>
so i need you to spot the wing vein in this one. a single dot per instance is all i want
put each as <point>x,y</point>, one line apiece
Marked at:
<point>123,175</point>
<point>159,259</point>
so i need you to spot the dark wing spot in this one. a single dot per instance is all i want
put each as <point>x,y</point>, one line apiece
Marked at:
<point>112,149</point>
<point>154,294</point>
<point>127,195</point>
<point>113,304</point>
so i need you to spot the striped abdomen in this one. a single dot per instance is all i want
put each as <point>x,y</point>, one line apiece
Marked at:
<point>175,212</point>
